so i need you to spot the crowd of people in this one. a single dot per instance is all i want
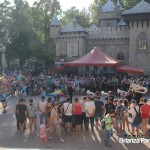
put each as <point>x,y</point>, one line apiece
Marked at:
<point>95,110</point>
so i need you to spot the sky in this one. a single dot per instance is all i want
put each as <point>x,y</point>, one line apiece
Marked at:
<point>65,4</point>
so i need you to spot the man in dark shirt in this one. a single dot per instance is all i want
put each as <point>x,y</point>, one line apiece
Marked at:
<point>109,106</point>
<point>21,111</point>
<point>99,109</point>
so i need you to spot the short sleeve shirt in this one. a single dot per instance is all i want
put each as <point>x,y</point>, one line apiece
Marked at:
<point>107,121</point>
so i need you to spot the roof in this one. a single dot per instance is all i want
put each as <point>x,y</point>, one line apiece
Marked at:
<point>108,6</point>
<point>93,58</point>
<point>73,27</point>
<point>140,8</point>
<point>121,23</point>
<point>55,21</point>
<point>130,69</point>
<point>119,5</point>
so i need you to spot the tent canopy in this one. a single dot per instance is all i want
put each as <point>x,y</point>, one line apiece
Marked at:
<point>129,69</point>
<point>93,58</point>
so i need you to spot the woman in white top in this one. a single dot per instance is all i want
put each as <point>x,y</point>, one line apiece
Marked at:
<point>133,113</point>
<point>66,110</point>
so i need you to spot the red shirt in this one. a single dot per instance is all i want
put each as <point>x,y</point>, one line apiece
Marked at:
<point>78,109</point>
<point>145,111</point>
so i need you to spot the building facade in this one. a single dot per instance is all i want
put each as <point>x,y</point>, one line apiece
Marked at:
<point>122,35</point>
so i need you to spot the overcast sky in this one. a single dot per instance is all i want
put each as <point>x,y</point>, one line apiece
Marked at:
<point>65,4</point>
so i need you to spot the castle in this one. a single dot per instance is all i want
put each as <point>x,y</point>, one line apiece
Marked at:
<point>122,35</point>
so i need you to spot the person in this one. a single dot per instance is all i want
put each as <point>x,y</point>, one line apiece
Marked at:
<point>108,127</point>
<point>90,112</point>
<point>109,106</point>
<point>132,111</point>
<point>70,89</point>
<point>43,136</point>
<point>48,111</point>
<point>82,102</point>
<point>31,110</point>
<point>120,109</point>
<point>99,110</point>
<point>54,121</point>
<point>77,110</point>
<point>129,96</point>
<point>16,115</point>
<point>42,109</point>
<point>145,113</point>
<point>21,109</point>
<point>126,114</point>
<point>3,100</point>
<point>67,107</point>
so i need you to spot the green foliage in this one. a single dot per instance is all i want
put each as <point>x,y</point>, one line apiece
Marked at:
<point>82,16</point>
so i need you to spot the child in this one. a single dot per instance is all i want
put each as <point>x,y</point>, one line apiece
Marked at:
<point>43,136</point>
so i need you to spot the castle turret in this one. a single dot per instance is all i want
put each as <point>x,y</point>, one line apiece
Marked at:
<point>110,14</point>
<point>55,27</point>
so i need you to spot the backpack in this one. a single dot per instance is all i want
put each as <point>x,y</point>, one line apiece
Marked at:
<point>137,119</point>
<point>103,124</point>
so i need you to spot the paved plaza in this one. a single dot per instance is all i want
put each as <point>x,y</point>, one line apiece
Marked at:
<point>11,139</point>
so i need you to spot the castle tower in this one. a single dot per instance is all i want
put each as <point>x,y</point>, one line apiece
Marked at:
<point>55,27</point>
<point>138,19</point>
<point>110,14</point>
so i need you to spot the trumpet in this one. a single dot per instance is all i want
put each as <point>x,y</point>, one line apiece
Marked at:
<point>103,93</point>
<point>122,93</point>
<point>138,89</point>
<point>88,92</point>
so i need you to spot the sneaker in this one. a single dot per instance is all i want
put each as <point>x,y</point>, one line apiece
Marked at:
<point>61,140</point>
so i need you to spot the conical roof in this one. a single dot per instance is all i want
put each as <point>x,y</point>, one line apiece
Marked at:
<point>141,7</point>
<point>73,27</point>
<point>108,6</point>
<point>119,5</point>
<point>55,21</point>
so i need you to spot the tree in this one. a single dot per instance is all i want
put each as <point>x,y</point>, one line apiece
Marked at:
<point>130,3</point>
<point>43,12</point>
<point>82,16</point>
<point>20,31</point>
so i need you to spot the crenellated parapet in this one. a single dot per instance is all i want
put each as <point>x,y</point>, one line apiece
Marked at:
<point>108,32</point>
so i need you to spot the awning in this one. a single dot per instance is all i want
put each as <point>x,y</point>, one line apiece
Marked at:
<point>57,69</point>
<point>129,69</point>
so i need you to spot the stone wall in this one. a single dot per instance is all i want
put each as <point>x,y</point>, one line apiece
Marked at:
<point>108,33</point>
<point>111,47</point>
<point>136,57</point>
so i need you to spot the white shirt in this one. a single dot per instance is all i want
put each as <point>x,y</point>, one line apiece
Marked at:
<point>83,105</point>
<point>42,106</point>
<point>133,112</point>
<point>89,107</point>
<point>68,109</point>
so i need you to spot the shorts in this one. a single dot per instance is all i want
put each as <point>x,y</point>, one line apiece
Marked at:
<point>42,116</point>
<point>145,121</point>
<point>98,117</point>
<point>67,118</point>
<point>3,100</point>
<point>135,125</point>
<point>21,119</point>
<point>78,119</point>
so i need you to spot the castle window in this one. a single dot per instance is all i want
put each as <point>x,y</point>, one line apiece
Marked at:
<point>142,40</point>
<point>120,56</point>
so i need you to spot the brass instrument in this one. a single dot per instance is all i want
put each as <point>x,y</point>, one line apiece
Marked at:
<point>138,88</point>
